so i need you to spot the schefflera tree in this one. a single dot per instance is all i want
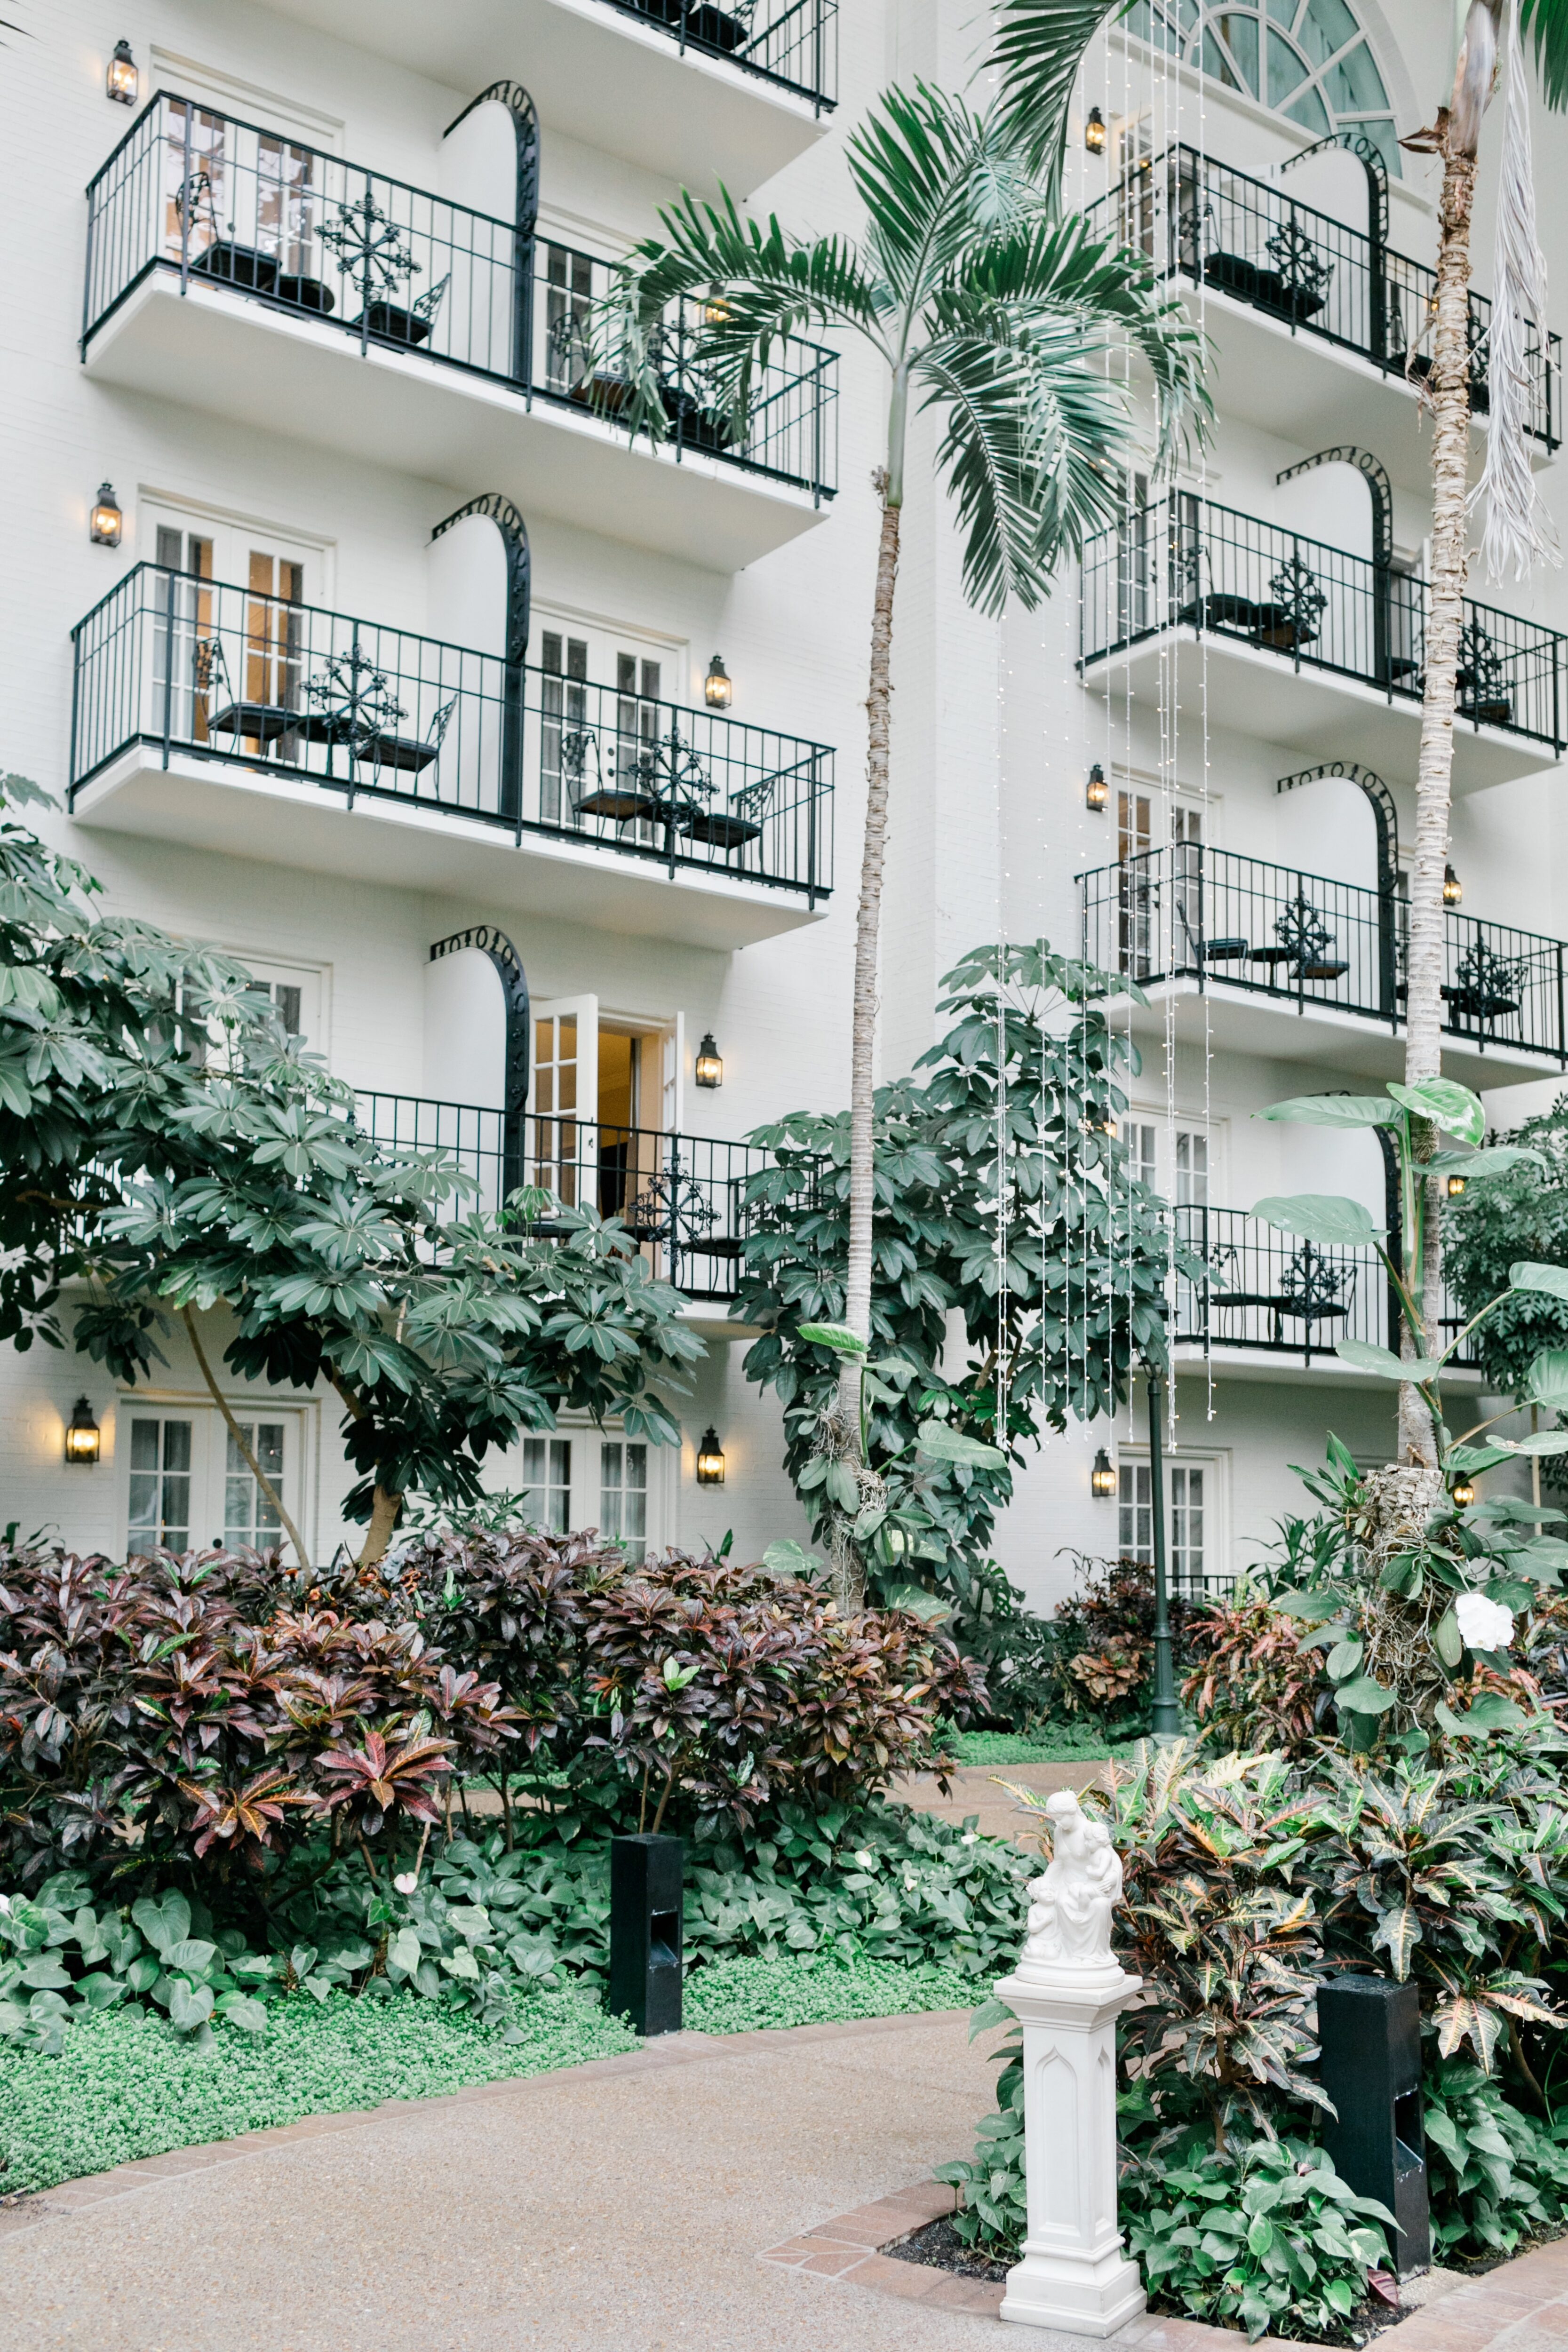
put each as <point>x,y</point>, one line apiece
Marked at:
<point>1006,1218</point>
<point>166,1151</point>
<point>1331,1221</point>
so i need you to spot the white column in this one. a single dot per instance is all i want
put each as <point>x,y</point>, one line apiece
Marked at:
<point>1066,1992</point>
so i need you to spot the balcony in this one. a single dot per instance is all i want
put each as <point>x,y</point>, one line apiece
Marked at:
<point>1315,322</point>
<point>1268,960</point>
<point>1268,1294</point>
<point>214,715</point>
<point>683,1197</point>
<point>1272,634</point>
<point>278,286</point>
<point>698,94</point>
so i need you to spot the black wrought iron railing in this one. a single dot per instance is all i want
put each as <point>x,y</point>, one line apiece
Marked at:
<point>1185,562</point>
<point>1264,1289</point>
<point>196,667</point>
<point>683,1197</point>
<point>1193,912</point>
<point>1200,219</point>
<point>795,44</point>
<point>219,203</point>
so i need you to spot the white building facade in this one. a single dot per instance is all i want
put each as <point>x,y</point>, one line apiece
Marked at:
<point>522,762</point>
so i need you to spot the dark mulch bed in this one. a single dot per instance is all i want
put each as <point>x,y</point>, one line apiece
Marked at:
<point>940,2248</point>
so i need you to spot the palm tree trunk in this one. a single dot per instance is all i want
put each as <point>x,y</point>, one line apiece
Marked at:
<point>846,1576</point>
<point>1450,387</point>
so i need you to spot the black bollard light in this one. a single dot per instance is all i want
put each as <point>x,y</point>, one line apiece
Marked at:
<point>1370,2065</point>
<point>646,1894</point>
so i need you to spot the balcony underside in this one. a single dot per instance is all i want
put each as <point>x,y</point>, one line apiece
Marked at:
<point>1250,691</point>
<point>595,73</point>
<point>1241,1021</point>
<point>1319,393</point>
<point>283,820</point>
<point>1324,1368</point>
<point>276,372</point>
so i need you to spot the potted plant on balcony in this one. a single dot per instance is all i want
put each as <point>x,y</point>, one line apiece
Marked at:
<point>983,303</point>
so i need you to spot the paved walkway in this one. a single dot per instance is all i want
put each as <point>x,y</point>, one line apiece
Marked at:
<point>975,1790</point>
<point>620,2207</point>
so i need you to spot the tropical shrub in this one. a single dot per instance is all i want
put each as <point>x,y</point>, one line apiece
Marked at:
<point>1495,2175</point>
<point>193,1717</point>
<point>1250,1686</point>
<point>1063,1314</point>
<point>1255,2231</point>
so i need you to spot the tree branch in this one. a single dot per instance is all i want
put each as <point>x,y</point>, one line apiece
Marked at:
<point>251,1464</point>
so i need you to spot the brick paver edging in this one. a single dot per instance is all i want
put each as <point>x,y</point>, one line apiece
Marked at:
<point>670,2050</point>
<point>1522,2304</point>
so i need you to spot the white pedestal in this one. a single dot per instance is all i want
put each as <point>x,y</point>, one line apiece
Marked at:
<point>1074,2275</point>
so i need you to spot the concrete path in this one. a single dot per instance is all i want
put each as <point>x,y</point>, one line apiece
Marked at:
<point>620,2207</point>
<point>975,1790</point>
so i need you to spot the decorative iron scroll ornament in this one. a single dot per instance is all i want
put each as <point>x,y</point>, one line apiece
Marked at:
<point>1370,156</point>
<point>490,941</point>
<point>525,212</point>
<point>1385,818</point>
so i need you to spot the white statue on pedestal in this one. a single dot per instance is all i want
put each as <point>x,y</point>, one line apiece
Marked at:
<point>1071,1903</point>
<point>1066,1993</point>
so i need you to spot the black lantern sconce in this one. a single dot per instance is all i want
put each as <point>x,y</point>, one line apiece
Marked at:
<point>711,1459</point>
<point>83,1439</point>
<point>708,1070</point>
<point>1453,888</point>
<point>1094,131</point>
<point>1464,1493</point>
<point>122,81</point>
<point>107,519</point>
<point>1097,791</point>
<point>1102,1478</point>
<point>716,687</point>
<point>1456,1186</point>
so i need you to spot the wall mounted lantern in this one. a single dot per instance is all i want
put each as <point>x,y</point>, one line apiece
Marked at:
<point>1464,1493</point>
<point>1097,791</point>
<point>711,1459</point>
<point>82,1436</point>
<point>122,81</point>
<point>708,1070</point>
<point>1102,1478</point>
<point>717,687</point>
<point>1453,888</point>
<point>107,519</point>
<point>1094,131</point>
<point>1456,1186</point>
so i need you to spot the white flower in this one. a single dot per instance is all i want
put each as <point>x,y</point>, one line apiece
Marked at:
<point>969,1837</point>
<point>406,1881</point>
<point>908,1882</point>
<point>1485,1624</point>
<point>866,1859</point>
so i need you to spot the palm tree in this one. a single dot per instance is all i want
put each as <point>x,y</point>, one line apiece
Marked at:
<point>984,303</point>
<point>1513,535</point>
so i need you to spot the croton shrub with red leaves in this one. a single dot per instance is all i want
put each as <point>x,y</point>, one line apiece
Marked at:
<point>186,1718</point>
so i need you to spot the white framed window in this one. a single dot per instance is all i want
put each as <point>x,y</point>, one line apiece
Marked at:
<point>583,1477</point>
<point>186,1481</point>
<point>1182,1158</point>
<point>1197,1557</point>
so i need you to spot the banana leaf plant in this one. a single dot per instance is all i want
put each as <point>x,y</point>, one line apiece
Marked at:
<point>1331,1221</point>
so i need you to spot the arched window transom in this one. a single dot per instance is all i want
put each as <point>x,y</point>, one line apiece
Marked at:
<point>1308,58</point>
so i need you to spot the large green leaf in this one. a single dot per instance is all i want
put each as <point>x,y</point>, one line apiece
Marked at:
<point>1476,1458</point>
<point>1494,1161</point>
<point>1326,1217</point>
<point>1527,1275</point>
<point>836,1336</point>
<point>1334,1111</point>
<point>1546,1382</point>
<point>1365,1696</point>
<point>941,1444</point>
<point>1446,1104</point>
<point>1389,1367</point>
<point>1542,1441</point>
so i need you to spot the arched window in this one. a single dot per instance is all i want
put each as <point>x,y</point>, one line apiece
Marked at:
<point>1309,59</point>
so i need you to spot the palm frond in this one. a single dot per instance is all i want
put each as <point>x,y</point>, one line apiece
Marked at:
<point>1545,24</point>
<point>933,176</point>
<point>1039,47</point>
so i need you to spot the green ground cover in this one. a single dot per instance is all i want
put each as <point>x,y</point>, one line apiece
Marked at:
<point>123,2086</point>
<point>1068,1745</point>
